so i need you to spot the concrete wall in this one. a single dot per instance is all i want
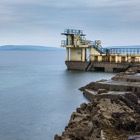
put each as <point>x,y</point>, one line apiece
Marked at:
<point>71,65</point>
<point>75,54</point>
<point>107,66</point>
<point>93,51</point>
<point>94,54</point>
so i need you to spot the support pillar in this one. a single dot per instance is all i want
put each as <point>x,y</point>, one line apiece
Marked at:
<point>116,58</point>
<point>67,54</point>
<point>83,54</point>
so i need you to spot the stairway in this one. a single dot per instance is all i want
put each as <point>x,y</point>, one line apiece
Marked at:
<point>100,49</point>
<point>89,66</point>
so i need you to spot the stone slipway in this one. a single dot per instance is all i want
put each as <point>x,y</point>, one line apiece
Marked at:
<point>124,81</point>
<point>111,85</point>
<point>90,94</point>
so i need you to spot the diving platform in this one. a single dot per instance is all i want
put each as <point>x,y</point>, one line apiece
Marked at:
<point>87,55</point>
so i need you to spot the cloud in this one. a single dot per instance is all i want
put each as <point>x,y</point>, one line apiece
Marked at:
<point>51,17</point>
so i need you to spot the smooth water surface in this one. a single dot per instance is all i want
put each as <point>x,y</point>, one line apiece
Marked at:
<point>38,94</point>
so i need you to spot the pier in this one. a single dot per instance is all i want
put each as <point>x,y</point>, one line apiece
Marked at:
<point>87,55</point>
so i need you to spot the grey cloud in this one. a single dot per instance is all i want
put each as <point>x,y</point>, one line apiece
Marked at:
<point>26,16</point>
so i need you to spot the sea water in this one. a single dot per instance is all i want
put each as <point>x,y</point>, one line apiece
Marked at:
<point>38,94</point>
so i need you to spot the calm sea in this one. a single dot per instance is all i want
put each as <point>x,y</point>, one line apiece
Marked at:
<point>38,94</point>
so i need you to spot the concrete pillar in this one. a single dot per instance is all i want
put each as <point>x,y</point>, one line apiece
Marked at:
<point>126,59</point>
<point>67,54</point>
<point>99,58</point>
<point>83,55</point>
<point>120,60</point>
<point>116,58</point>
<point>69,40</point>
<point>110,58</point>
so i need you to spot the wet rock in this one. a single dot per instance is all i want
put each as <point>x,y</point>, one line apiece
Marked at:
<point>83,106</point>
<point>135,137</point>
<point>103,80</point>
<point>100,91</point>
<point>56,137</point>
<point>132,70</point>
<point>88,86</point>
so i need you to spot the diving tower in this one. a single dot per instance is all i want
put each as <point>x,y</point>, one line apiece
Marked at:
<point>87,55</point>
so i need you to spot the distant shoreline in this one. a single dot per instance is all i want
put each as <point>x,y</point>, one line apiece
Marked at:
<point>28,48</point>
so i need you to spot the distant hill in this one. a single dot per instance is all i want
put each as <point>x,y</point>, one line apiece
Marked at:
<point>43,48</point>
<point>28,48</point>
<point>131,46</point>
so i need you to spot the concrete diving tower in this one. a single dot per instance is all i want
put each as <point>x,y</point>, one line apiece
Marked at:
<point>77,47</point>
<point>87,55</point>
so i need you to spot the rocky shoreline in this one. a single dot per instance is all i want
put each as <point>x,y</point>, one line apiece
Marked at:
<point>113,112</point>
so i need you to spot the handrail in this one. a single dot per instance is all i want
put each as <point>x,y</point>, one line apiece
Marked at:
<point>124,50</point>
<point>63,42</point>
<point>73,31</point>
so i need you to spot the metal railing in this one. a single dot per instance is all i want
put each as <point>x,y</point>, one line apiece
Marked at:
<point>63,42</point>
<point>73,31</point>
<point>96,46</point>
<point>124,50</point>
<point>106,50</point>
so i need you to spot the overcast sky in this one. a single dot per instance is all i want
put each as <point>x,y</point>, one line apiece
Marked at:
<point>41,22</point>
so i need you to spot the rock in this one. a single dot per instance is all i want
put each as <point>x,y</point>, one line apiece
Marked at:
<point>79,110</point>
<point>135,137</point>
<point>107,116</point>
<point>100,91</point>
<point>121,74</point>
<point>103,80</point>
<point>88,86</point>
<point>83,106</point>
<point>88,108</point>
<point>132,69</point>
<point>56,137</point>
